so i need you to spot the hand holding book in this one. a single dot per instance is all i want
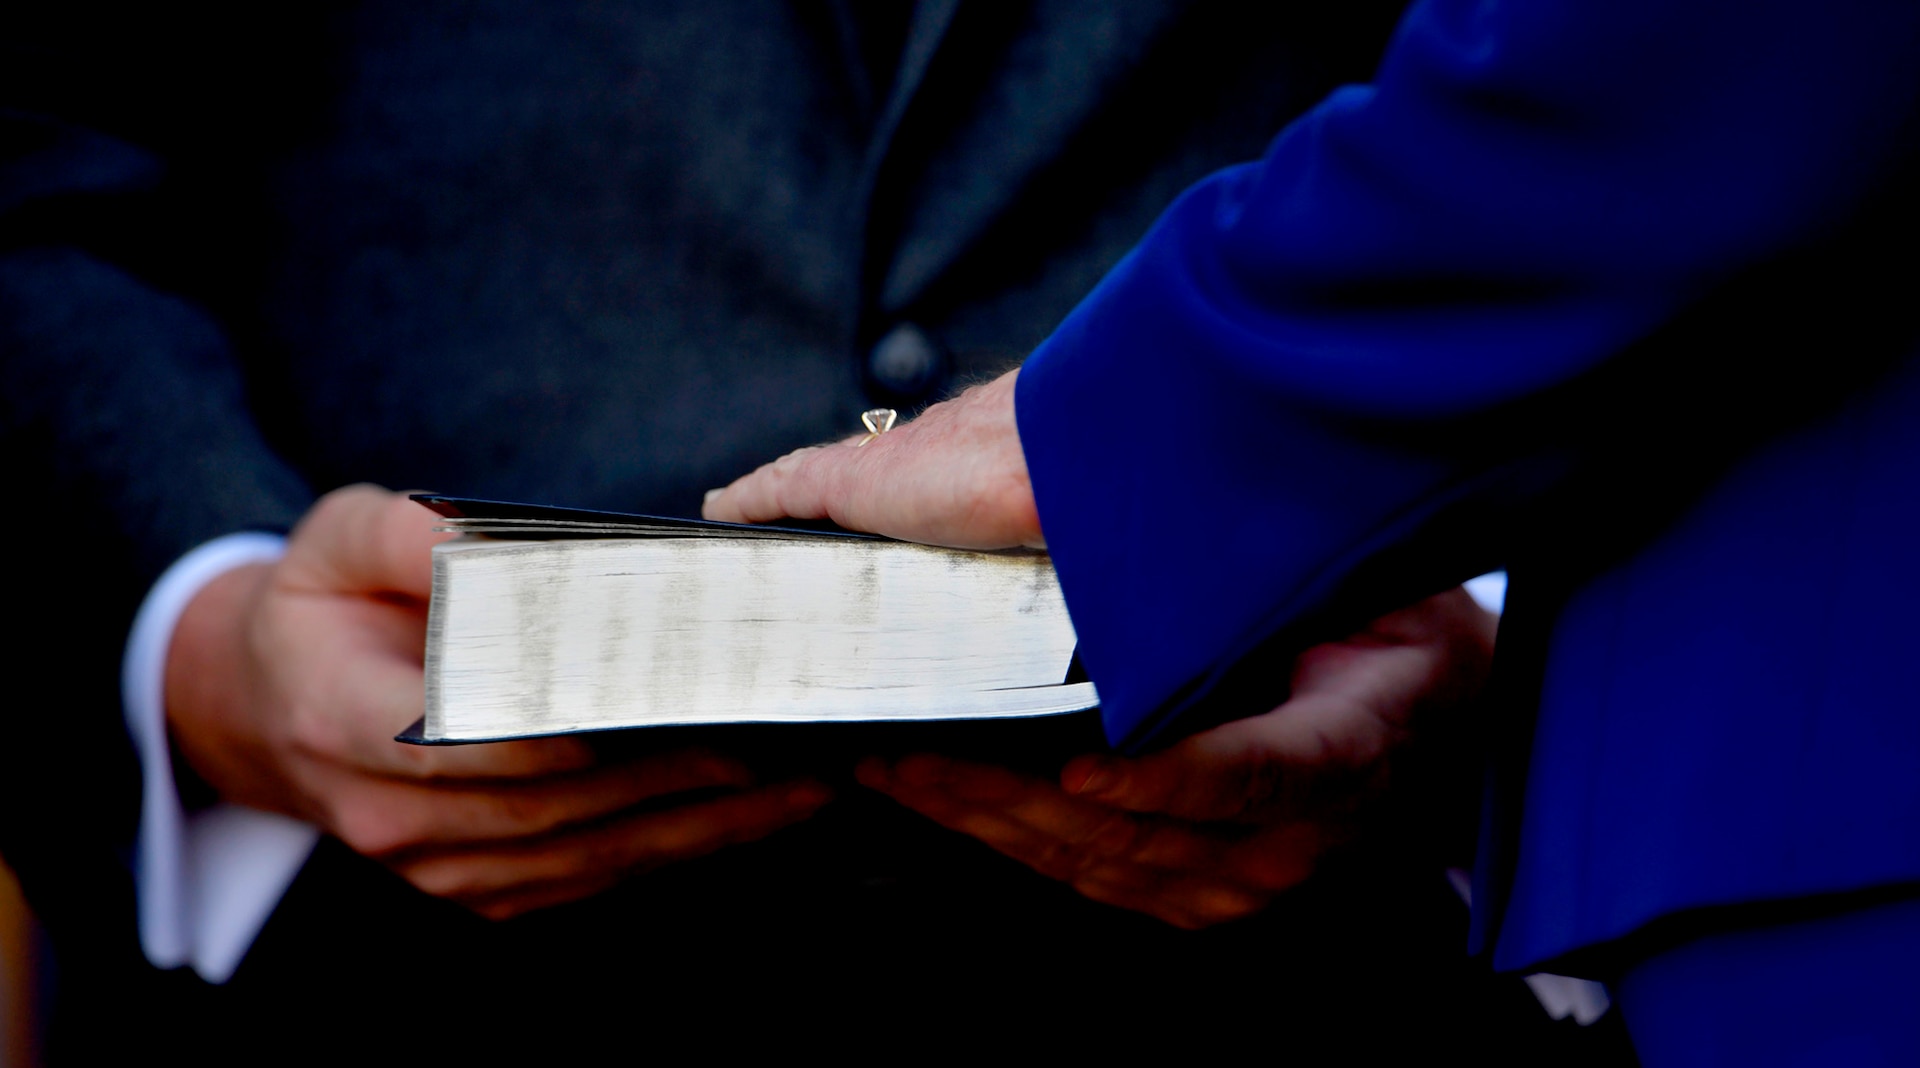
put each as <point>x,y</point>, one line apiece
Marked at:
<point>1215,827</point>
<point>285,684</point>
<point>1208,830</point>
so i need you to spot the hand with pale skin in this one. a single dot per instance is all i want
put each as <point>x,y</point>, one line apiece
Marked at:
<point>285,684</point>
<point>1216,826</point>
<point>954,476</point>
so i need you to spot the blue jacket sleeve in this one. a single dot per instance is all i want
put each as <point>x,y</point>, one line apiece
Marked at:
<point>1334,376</point>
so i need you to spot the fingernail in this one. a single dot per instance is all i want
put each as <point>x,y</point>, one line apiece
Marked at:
<point>711,494</point>
<point>1099,777</point>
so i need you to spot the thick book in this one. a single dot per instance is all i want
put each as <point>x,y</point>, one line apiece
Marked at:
<point>556,620</point>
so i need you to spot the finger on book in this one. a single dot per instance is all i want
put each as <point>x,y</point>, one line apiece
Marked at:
<point>791,486</point>
<point>364,539</point>
<point>352,717</point>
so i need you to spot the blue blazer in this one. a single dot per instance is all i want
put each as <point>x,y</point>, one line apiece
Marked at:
<point>1616,295</point>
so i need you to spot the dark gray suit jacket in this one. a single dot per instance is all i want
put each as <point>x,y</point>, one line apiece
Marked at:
<point>605,255</point>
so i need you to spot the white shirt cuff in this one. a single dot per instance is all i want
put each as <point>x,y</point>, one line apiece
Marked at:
<point>1490,590</point>
<point>1562,996</point>
<point>205,883</point>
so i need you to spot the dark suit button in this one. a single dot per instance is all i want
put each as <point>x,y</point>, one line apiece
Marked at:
<point>905,365</point>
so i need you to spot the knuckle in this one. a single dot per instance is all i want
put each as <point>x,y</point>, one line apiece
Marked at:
<point>790,464</point>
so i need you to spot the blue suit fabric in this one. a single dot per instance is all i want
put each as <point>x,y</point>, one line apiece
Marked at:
<point>1613,295</point>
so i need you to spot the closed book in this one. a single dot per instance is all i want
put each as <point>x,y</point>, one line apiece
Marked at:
<point>554,621</point>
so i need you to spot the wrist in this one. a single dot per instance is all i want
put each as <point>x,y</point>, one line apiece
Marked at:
<point>206,682</point>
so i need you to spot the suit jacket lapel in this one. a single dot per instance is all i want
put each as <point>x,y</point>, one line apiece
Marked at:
<point>925,30</point>
<point>956,143</point>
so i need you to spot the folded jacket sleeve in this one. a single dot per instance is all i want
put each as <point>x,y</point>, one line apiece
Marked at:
<point>1344,375</point>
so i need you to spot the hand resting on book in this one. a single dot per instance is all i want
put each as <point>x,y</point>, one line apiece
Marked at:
<point>1217,826</point>
<point>286,683</point>
<point>1206,831</point>
<point>955,476</point>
